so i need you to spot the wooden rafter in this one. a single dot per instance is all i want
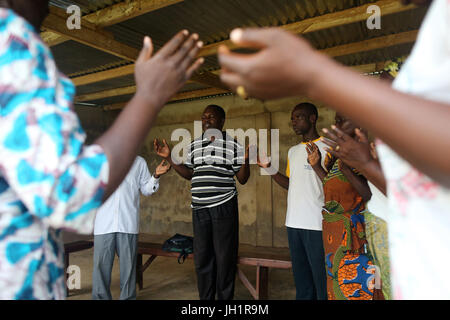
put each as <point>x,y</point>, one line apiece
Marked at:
<point>104,75</point>
<point>52,39</point>
<point>89,36</point>
<point>112,15</point>
<point>372,44</point>
<point>106,94</point>
<point>180,96</point>
<point>206,78</point>
<point>198,93</point>
<point>210,79</point>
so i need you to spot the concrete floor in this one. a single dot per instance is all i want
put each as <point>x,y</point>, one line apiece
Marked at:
<point>165,279</point>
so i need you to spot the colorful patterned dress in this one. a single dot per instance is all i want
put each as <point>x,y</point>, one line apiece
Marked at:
<point>49,180</point>
<point>378,246</point>
<point>350,271</point>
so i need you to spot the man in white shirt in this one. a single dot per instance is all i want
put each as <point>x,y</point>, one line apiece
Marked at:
<point>304,207</point>
<point>116,230</point>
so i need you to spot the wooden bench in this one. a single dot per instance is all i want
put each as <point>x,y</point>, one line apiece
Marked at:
<point>262,261</point>
<point>262,258</point>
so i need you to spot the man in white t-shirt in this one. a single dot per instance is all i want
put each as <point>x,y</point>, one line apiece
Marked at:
<point>116,230</point>
<point>304,207</point>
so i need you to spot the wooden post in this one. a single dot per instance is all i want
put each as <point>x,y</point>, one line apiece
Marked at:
<point>262,283</point>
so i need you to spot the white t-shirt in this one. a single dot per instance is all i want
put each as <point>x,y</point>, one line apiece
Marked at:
<point>419,219</point>
<point>305,194</point>
<point>120,213</point>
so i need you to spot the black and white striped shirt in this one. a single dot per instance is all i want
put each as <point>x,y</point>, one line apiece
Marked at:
<point>214,165</point>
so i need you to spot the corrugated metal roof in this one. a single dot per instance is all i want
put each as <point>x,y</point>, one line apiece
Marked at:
<point>214,19</point>
<point>73,57</point>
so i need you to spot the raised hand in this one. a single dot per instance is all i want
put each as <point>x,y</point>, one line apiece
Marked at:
<point>355,152</point>
<point>161,150</point>
<point>263,161</point>
<point>162,168</point>
<point>251,150</point>
<point>160,76</point>
<point>279,60</point>
<point>314,156</point>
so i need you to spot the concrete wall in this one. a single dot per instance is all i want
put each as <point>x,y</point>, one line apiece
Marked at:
<point>262,203</point>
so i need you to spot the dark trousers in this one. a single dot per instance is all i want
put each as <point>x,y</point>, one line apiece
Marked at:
<point>308,263</point>
<point>216,244</point>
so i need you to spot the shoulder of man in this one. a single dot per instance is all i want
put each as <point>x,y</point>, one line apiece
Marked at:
<point>140,163</point>
<point>140,159</point>
<point>321,145</point>
<point>292,149</point>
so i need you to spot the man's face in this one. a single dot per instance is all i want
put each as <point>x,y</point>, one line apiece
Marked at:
<point>301,123</point>
<point>211,120</point>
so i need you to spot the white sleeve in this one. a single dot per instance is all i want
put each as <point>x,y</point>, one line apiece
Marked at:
<point>147,183</point>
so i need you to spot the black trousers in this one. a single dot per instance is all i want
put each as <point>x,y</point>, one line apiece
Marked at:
<point>216,244</point>
<point>308,263</point>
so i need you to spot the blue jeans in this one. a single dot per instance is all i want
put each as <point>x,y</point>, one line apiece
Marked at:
<point>308,263</point>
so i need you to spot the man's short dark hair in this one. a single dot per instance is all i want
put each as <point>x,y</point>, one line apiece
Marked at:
<point>217,109</point>
<point>309,107</point>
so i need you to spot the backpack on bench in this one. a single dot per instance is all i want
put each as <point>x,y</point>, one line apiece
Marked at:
<point>179,243</point>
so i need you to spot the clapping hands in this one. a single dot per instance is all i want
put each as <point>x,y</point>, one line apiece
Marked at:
<point>162,168</point>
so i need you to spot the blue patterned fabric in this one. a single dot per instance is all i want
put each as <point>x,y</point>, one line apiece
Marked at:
<point>49,180</point>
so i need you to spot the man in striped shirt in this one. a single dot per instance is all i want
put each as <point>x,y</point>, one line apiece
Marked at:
<point>212,162</point>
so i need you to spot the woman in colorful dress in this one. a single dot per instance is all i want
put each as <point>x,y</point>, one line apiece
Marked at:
<point>350,270</point>
<point>358,153</point>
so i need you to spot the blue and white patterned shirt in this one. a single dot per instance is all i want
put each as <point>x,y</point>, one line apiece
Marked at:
<point>49,180</point>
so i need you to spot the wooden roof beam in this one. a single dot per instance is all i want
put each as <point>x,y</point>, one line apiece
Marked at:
<point>209,79</point>
<point>111,15</point>
<point>180,96</point>
<point>89,36</point>
<point>106,94</point>
<point>372,44</point>
<point>206,78</point>
<point>104,75</point>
